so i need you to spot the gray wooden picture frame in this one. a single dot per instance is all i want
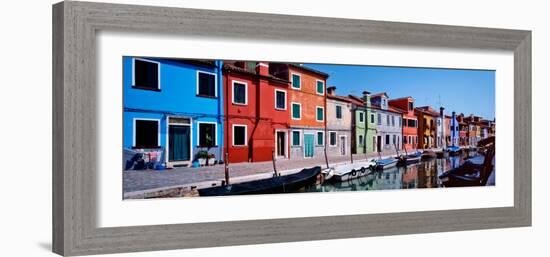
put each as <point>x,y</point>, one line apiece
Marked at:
<point>75,25</point>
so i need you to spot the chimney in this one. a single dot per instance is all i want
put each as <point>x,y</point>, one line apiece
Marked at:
<point>441,109</point>
<point>366,98</point>
<point>331,90</point>
<point>262,68</point>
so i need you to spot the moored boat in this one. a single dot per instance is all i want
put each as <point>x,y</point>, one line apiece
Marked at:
<point>475,171</point>
<point>411,158</point>
<point>454,150</point>
<point>280,184</point>
<point>386,163</point>
<point>353,170</point>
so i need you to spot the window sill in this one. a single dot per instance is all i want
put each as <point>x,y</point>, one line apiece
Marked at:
<point>239,146</point>
<point>279,109</point>
<point>146,147</point>
<point>241,104</point>
<point>146,88</point>
<point>207,96</point>
<point>205,146</point>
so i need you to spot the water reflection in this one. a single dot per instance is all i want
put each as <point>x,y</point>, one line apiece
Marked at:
<point>421,175</point>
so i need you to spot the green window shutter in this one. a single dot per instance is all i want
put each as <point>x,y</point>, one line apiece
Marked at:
<point>295,138</point>
<point>296,81</point>
<point>320,87</point>
<point>319,114</point>
<point>320,138</point>
<point>296,111</point>
<point>338,112</point>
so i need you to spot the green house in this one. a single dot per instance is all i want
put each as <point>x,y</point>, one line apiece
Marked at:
<point>363,125</point>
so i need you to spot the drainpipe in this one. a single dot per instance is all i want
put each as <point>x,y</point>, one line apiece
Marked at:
<point>352,134</point>
<point>366,101</point>
<point>220,106</point>
<point>325,121</point>
<point>226,114</point>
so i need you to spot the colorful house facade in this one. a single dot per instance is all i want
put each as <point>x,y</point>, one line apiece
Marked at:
<point>363,124</point>
<point>174,107</point>
<point>454,136</point>
<point>338,137</point>
<point>440,120</point>
<point>307,106</point>
<point>427,127</point>
<point>257,112</point>
<point>389,127</point>
<point>410,121</point>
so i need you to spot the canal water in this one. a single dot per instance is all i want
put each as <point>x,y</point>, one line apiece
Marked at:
<point>424,174</point>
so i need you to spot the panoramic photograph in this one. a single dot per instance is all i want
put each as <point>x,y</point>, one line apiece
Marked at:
<point>197,128</point>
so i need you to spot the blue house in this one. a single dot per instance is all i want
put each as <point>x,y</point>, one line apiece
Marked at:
<point>173,108</point>
<point>454,131</point>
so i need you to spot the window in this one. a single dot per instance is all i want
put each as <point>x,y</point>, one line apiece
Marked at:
<point>394,141</point>
<point>146,133</point>
<point>393,121</point>
<point>206,84</point>
<point>296,82</point>
<point>295,138</point>
<point>404,140</point>
<point>404,122</point>
<point>338,112</point>
<point>240,93</point>
<point>239,135</point>
<point>320,138</point>
<point>332,140</point>
<point>388,119</point>
<point>361,116</point>
<point>360,139</point>
<point>411,123</point>
<point>320,87</point>
<point>372,118</point>
<point>410,106</point>
<point>400,124</point>
<point>320,113</point>
<point>146,74</point>
<point>379,119</point>
<point>207,134</point>
<point>387,139</point>
<point>280,99</point>
<point>296,111</point>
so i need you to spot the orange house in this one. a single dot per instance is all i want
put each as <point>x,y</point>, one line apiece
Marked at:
<point>307,103</point>
<point>427,128</point>
<point>410,121</point>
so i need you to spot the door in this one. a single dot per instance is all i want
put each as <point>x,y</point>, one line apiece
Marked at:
<point>379,144</point>
<point>343,145</point>
<point>179,143</point>
<point>281,143</point>
<point>308,145</point>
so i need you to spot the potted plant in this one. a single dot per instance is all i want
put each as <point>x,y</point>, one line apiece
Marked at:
<point>206,158</point>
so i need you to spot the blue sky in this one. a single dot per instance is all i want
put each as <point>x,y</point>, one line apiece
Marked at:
<point>466,91</point>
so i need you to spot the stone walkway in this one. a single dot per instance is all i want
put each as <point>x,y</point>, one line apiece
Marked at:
<point>139,182</point>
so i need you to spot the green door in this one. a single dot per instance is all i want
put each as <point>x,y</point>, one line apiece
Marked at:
<point>179,143</point>
<point>308,145</point>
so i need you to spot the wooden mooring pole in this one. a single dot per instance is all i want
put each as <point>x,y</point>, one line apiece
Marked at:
<point>274,165</point>
<point>226,169</point>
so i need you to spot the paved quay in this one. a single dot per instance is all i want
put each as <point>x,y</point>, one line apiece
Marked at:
<point>138,183</point>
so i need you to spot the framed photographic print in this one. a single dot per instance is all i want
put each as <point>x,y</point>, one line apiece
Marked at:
<point>184,128</point>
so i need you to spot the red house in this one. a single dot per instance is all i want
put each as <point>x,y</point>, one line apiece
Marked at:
<point>256,111</point>
<point>410,121</point>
